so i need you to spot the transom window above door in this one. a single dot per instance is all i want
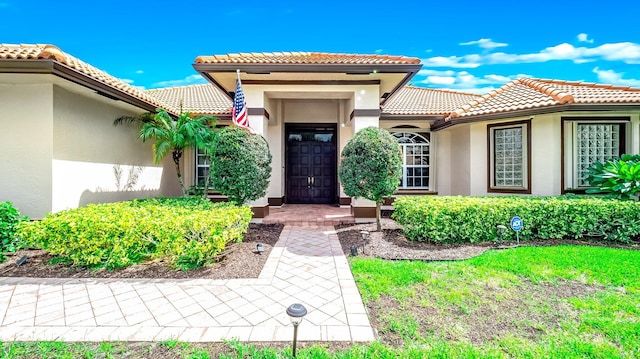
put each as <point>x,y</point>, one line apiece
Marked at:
<point>415,159</point>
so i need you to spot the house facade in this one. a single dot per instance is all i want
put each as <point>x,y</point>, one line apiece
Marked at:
<point>531,136</point>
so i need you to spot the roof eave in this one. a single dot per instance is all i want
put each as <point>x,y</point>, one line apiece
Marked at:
<point>353,69</point>
<point>321,68</point>
<point>401,84</point>
<point>46,66</point>
<point>409,117</point>
<point>442,124</point>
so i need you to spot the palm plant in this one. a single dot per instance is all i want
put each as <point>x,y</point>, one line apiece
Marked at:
<point>172,135</point>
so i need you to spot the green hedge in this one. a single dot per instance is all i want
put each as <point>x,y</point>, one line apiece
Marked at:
<point>10,218</point>
<point>474,219</point>
<point>186,232</point>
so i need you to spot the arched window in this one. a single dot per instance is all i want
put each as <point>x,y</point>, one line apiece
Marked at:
<point>415,160</point>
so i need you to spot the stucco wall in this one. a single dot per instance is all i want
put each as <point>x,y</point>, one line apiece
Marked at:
<point>469,161</point>
<point>26,146</point>
<point>441,156</point>
<point>311,111</point>
<point>274,135</point>
<point>460,160</point>
<point>545,155</point>
<point>88,150</point>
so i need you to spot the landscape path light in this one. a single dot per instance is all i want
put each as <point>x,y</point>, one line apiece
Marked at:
<point>354,250</point>
<point>259,248</point>
<point>296,313</point>
<point>500,229</point>
<point>365,237</point>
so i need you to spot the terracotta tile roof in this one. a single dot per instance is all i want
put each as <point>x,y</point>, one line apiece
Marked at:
<point>411,100</point>
<point>197,99</point>
<point>304,58</point>
<point>530,93</point>
<point>51,52</point>
<point>588,92</point>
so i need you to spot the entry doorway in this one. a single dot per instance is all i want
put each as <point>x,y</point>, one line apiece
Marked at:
<point>310,165</point>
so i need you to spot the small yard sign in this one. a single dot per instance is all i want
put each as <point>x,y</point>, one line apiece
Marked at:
<point>516,223</point>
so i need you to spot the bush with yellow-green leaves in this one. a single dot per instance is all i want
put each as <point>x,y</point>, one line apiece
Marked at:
<point>185,232</point>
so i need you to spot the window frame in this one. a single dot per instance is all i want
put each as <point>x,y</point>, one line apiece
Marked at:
<point>570,145</point>
<point>198,153</point>
<point>525,125</point>
<point>426,136</point>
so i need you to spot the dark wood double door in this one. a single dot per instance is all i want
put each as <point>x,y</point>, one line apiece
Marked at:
<point>310,166</point>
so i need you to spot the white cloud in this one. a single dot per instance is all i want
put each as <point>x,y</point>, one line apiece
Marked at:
<point>486,44</point>
<point>627,52</point>
<point>139,72</point>
<point>129,81</point>
<point>441,80</point>
<point>584,38</point>
<point>379,51</point>
<point>429,72</point>
<point>465,81</point>
<point>614,78</point>
<point>189,80</point>
<point>467,61</point>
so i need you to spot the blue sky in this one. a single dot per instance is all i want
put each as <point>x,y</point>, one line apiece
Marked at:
<point>464,45</point>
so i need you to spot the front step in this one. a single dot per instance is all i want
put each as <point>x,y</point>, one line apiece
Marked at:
<point>309,215</point>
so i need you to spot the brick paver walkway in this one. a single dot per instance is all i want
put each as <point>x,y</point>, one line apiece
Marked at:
<point>306,266</point>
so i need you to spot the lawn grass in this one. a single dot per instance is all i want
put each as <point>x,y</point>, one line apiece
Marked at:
<point>560,302</point>
<point>528,302</point>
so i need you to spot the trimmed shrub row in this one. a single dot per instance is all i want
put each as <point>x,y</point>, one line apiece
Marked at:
<point>10,218</point>
<point>186,232</point>
<point>474,219</point>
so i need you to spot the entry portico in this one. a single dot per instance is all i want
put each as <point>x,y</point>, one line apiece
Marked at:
<point>307,106</point>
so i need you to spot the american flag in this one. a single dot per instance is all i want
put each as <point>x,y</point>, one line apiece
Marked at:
<point>239,112</point>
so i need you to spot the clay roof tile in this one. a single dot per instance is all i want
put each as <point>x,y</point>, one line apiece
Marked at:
<point>305,58</point>
<point>47,52</point>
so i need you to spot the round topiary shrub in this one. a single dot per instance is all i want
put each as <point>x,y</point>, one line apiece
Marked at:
<point>240,165</point>
<point>371,166</point>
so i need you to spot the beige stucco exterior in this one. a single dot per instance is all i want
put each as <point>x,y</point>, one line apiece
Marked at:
<point>463,161</point>
<point>26,142</point>
<point>63,149</point>
<point>330,104</point>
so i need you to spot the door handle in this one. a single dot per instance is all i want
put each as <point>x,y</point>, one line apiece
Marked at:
<point>313,180</point>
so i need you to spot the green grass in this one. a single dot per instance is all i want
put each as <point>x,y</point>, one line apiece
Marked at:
<point>528,302</point>
<point>531,302</point>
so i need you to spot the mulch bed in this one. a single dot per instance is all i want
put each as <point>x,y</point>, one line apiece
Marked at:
<point>391,244</point>
<point>241,261</point>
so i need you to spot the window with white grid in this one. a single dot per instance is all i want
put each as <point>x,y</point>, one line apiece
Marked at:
<point>202,166</point>
<point>508,156</point>
<point>415,160</point>
<point>596,143</point>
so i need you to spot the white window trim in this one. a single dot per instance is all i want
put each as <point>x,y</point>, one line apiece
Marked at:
<point>428,142</point>
<point>198,166</point>
<point>525,157</point>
